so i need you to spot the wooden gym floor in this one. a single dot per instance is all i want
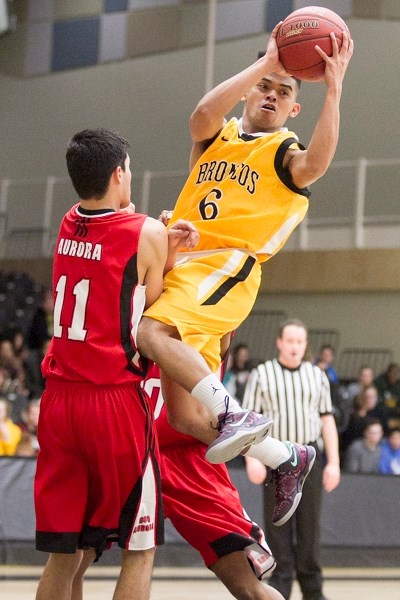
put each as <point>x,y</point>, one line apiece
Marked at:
<point>170,583</point>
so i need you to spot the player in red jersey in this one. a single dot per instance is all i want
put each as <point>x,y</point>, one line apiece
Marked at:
<point>204,506</point>
<point>97,475</point>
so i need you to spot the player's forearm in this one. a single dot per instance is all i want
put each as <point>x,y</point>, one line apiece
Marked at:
<point>324,140</point>
<point>208,117</point>
<point>308,167</point>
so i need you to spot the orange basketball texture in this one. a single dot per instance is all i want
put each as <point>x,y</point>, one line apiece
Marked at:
<point>298,35</point>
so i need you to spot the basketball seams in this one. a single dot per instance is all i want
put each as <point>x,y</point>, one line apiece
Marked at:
<point>298,35</point>
<point>310,18</point>
<point>295,40</point>
<point>289,41</point>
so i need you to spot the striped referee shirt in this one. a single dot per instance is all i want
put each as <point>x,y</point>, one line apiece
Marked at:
<point>293,398</point>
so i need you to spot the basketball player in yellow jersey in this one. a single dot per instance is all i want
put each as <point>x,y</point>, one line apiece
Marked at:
<point>239,194</point>
<point>246,192</point>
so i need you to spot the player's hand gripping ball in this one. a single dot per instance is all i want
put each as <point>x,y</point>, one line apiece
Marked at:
<point>298,35</point>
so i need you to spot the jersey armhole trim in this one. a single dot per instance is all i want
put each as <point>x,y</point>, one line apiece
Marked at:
<point>284,174</point>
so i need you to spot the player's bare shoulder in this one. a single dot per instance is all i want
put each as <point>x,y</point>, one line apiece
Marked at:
<point>153,227</point>
<point>153,241</point>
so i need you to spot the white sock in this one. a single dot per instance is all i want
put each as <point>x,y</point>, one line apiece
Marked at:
<point>271,452</point>
<point>213,394</point>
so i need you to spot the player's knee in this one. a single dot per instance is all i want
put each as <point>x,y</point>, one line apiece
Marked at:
<point>151,335</point>
<point>139,558</point>
<point>68,564</point>
<point>190,418</point>
<point>179,422</point>
<point>239,578</point>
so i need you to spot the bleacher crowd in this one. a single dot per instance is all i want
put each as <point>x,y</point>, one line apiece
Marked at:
<point>367,410</point>
<point>26,327</point>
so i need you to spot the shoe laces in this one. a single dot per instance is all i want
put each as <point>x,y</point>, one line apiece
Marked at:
<point>222,417</point>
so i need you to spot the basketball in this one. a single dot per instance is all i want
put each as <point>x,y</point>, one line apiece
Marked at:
<point>298,35</point>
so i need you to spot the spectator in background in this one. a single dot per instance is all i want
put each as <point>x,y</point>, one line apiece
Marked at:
<point>365,378</point>
<point>10,433</point>
<point>341,405</point>
<point>9,360</point>
<point>343,396</point>
<point>18,344</point>
<point>325,360</point>
<point>388,386</point>
<point>239,368</point>
<point>389,463</point>
<point>41,327</point>
<point>25,447</point>
<point>13,363</point>
<point>363,455</point>
<point>364,407</point>
<point>339,395</point>
<point>14,392</point>
<point>29,445</point>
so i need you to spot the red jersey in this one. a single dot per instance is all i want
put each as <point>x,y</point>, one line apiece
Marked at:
<point>97,299</point>
<point>166,435</point>
<point>199,497</point>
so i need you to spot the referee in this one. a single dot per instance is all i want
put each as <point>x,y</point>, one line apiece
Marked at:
<point>296,395</point>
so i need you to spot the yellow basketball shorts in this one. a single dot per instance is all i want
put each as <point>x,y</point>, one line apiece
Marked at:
<point>207,297</point>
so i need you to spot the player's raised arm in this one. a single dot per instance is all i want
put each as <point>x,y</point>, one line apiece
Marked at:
<point>208,117</point>
<point>308,166</point>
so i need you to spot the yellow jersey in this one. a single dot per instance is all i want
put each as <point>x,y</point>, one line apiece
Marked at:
<point>238,194</point>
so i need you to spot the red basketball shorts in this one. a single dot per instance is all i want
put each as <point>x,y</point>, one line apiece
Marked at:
<point>97,476</point>
<point>204,507</point>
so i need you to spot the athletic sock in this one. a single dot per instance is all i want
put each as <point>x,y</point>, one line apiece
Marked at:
<point>271,452</point>
<point>215,396</point>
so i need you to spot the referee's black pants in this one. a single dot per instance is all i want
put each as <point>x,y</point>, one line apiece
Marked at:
<point>296,544</point>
